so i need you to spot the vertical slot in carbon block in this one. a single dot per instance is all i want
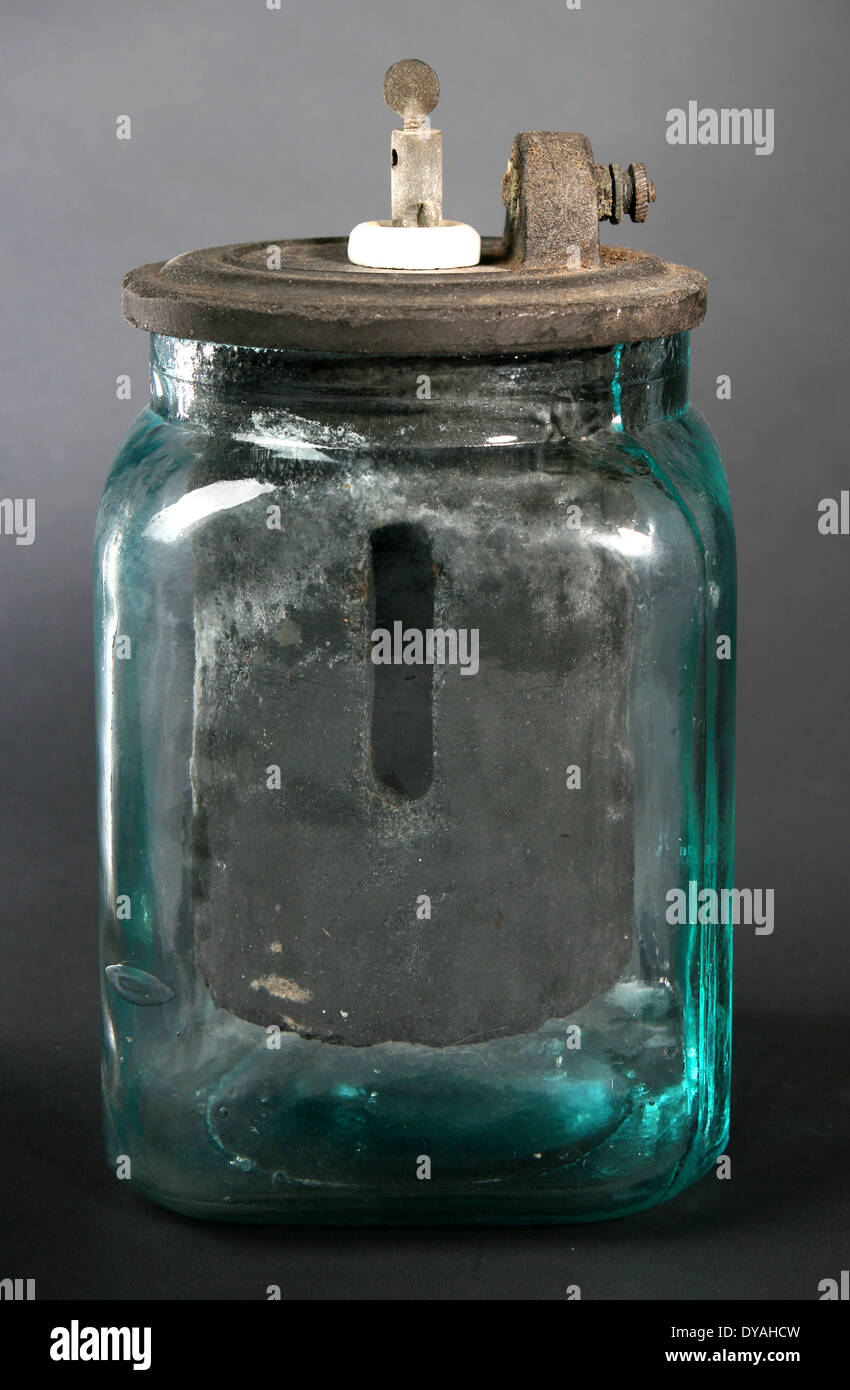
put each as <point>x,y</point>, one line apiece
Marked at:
<point>403,597</point>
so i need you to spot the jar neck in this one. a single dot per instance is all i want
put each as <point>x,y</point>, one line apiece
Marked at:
<point>300,402</point>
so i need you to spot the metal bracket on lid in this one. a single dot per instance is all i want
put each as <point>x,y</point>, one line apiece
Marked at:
<point>556,196</point>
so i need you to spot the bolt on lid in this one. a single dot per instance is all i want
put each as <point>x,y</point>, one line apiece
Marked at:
<point>416,283</point>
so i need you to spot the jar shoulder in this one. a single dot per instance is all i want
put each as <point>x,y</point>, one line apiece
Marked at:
<point>667,475</point>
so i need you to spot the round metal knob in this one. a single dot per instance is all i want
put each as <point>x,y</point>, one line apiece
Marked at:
<point>411,89</point>
<point>644,192</point>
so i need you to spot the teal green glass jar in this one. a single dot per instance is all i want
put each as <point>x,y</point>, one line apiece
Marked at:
<point>415,696</point>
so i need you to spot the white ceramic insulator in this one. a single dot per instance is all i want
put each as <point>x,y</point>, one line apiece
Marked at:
<point>381,246</point>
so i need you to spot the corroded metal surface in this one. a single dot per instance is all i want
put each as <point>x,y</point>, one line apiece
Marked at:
<point>622,194</point>
<point>319,301</point>
<point>546,285</point>
<point>550,192</point>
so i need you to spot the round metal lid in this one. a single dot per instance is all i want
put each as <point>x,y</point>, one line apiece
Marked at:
<point>318,301</point>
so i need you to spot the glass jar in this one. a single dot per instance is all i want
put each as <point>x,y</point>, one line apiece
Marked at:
<point>412,712</point>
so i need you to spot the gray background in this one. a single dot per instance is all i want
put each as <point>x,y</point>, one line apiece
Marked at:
<point>252,124</point>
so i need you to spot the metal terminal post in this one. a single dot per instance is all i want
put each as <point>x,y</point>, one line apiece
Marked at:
<point>417,237</point>
<point>412,90</point>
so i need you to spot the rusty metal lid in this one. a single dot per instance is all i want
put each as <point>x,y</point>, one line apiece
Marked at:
<point>318,301</point>
<point>546,285</point>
